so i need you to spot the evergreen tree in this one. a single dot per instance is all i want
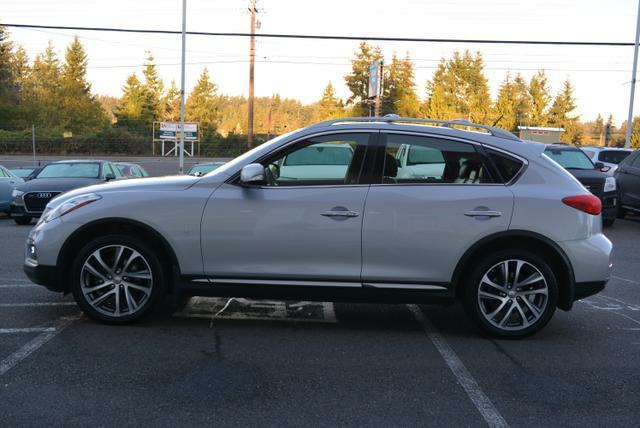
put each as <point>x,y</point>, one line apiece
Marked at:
<point>598,130</point>
<point>400,95</point>
<point>135,111</point>
<point>459,89</point>
<point>8,84</point>
<point>540,98</point>
<point>505,106</point>
<point>523,103</point>
<point>560,114</point>
<point>82,112</point>
<point>202,104</point>
<point>329,106</point>
<point>153,85</point>
<point>171,103</point>
<point>358,80</point>
<point>43,98</point>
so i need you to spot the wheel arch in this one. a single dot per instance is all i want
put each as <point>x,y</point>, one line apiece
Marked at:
<point>116,225</point>
<point>523,239</point>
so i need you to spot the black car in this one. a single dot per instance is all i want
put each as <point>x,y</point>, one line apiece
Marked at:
<point>590,175</point>
<point>31,197</point>
<point>628,177</point>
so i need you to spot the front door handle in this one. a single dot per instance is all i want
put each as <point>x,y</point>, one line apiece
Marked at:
<point>483,213</point>
<point>340,212</point>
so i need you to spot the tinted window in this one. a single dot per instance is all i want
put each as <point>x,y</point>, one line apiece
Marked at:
<point>568,158</point>
<point>21,172</point>
<point>325,160</point>
<point>3,174</point>
<point>414,159</point>
<point>636,161</point>
<point>613,156</point>
<point>508,167</point>
<point>204,168</point>
<point>106,170</point>
<point>70,170</point>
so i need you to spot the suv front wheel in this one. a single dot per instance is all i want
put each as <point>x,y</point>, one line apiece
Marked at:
<point>511,294</point>
<point>117,279</point>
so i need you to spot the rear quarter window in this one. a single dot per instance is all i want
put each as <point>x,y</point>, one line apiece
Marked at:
<point>508,166</point>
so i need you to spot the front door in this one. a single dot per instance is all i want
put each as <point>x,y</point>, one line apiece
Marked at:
<point>304,224</point>
<point>436,198</point>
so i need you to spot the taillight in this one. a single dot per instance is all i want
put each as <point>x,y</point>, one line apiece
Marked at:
<point>589,204</point>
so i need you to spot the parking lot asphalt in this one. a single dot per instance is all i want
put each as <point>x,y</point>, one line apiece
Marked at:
<point>294,364</point>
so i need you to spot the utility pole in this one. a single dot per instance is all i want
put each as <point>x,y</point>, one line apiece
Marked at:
<point>380,90</point>
<point>33,142</point>
<point>184,42</point>
<point>252,55</point>
<point>627,142</point>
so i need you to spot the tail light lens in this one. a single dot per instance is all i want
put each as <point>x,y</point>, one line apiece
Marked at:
<point>589,204</point>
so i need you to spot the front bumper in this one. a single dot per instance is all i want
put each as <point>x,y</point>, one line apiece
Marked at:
<point>47,276</point>
<point>18,210</point>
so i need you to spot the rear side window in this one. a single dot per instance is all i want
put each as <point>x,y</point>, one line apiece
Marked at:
<point>636,161</point>
<point>508,167</point>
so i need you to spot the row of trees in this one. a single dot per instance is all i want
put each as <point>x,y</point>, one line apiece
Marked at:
<point>56,96</point>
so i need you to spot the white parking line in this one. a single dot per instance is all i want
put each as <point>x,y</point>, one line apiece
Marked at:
<point>29,304</point>
<point>24,285</point>
<point>33,345</point>
<point>26,330</point>
<point>484,405</point>
<point>626,280</point>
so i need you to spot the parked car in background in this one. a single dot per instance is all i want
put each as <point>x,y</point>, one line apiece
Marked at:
<point>512,242</point>
<point>590,175</point>
<point>200,169</point>
<point>131,170</point>
<point>628,177</point>
<point>8,182</point>
<point>23,172</point>
<point>610,157</point>
<point>30,198</point>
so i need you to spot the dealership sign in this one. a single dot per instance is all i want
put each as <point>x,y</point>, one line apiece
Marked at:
<point>171,131</point>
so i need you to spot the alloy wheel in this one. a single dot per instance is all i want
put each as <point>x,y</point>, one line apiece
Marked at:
<point>513,295</point>
<point>116,280</point>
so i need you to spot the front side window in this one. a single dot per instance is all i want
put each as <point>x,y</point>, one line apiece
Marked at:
<point>324,160</point>
<point>415,159</point>
<point>70,170</point>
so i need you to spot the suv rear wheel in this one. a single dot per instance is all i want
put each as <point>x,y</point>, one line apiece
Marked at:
<point>117,279</point>
<point>511,294</point>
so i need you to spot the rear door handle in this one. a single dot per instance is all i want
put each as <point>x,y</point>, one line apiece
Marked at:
<point>483,213</point>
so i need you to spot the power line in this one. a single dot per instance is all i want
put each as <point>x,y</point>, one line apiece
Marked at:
<point>326,37</point>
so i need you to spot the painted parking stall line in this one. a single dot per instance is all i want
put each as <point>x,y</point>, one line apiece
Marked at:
<point>36,343</point>
<point>34,304</point>
<point>26,330</point>
<point>480,400</point>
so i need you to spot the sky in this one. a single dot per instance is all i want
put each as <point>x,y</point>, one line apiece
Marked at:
<point>301,69</point>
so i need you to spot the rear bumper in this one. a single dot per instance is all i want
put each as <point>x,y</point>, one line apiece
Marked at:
<point>609,205</point>
<point>586,289</point>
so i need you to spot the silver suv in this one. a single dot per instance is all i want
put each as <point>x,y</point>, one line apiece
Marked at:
<point>360,209</point>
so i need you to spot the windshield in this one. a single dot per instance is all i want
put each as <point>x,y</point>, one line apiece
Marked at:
<point>570,159</point>
<point>70,170</point>
<point>21,172</point>
<point>613,156</point>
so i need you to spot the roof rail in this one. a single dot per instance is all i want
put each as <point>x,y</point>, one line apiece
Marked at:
<point>394,118</point>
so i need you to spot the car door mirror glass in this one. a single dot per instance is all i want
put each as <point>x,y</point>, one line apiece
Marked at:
<point>252,174</point>
<point>599,165</point>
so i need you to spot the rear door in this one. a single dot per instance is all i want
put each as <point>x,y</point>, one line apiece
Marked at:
<point>428,209</point>
<point>628,176</point>
<point>7,184</point>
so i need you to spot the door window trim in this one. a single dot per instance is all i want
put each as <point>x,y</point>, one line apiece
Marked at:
<point>382,144</point>
<point>364,179</point>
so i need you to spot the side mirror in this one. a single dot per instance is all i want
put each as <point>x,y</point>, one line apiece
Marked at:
<point>109,177</point>
<point>602,167</point>
<point>252,174</point>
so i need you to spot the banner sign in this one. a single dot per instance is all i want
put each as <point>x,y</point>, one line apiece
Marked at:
<point>171,131</point>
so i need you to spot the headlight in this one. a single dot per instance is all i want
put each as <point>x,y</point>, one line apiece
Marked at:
<point>70,205</point>
<point>16,193</point>
<point>609,184</point>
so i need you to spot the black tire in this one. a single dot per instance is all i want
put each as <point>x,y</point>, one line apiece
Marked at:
<point>157,287</point>
<point>22,221</point>
<point>472,288</point>
<point>608,222</point>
